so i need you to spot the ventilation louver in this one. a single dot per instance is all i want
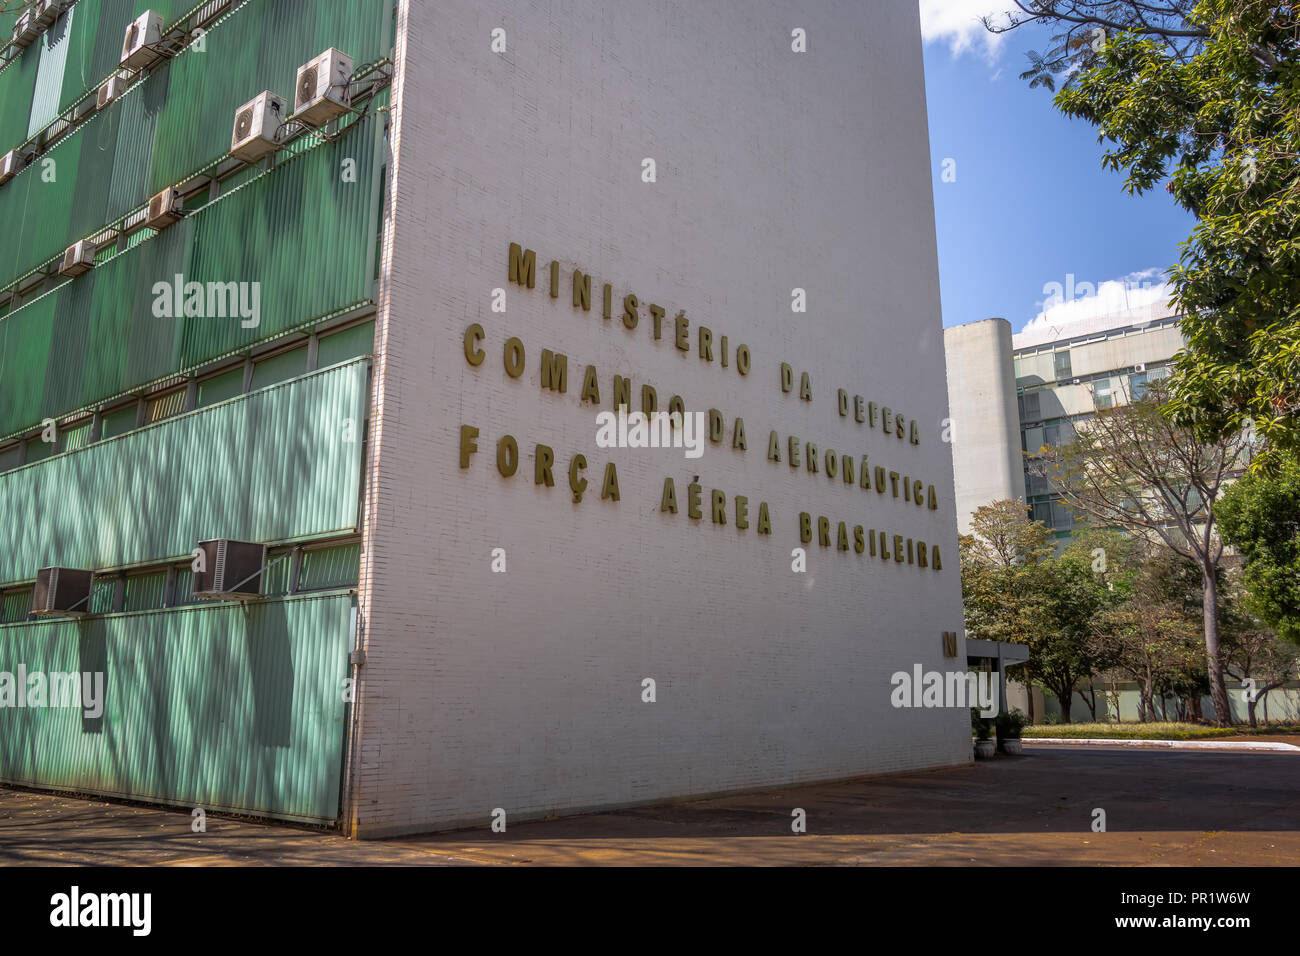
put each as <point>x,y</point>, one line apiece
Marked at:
<point>230,570</point>
<point>323,88</point>
<point>47,11</point>
<point>78,259</point>
<point>139,46</point>
<point>62,592</point>
<point>259,127</point>
<point>26,30</point>
<point>110,90</point>
<point>164,209</point>
<point>11,164</point>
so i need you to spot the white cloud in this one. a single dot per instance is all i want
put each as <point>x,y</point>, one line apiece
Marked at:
<point>1073,299</point>
<point>957,23</point>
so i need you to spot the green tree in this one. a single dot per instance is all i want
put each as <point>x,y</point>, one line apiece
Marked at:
<point>999,559</point>
<point>1060,658</point>
<point>1258,659</point>
<point>1204,99</point>
<point>1113,558</point>
<point>1260,517</point>
<point>1015,589</point>
<point>1132,468</point>
<point>1152,636</point>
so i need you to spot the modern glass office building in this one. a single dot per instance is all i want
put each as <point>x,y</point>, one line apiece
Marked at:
<point>1011,395</point>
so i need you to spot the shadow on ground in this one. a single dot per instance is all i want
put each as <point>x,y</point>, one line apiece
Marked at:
<point>1161,808</point>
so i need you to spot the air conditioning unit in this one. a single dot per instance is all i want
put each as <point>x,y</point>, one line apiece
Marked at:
<point>11,164</point>
<point>62,592</point>
<point>258,127</point>
<point>47,11</point>
<point>142,37</point>
<point>232,570</point>
<point>78,258</point>
<point>164,209</point>
<point>26,29</point>
<point>322,90</point>
<point>1140,367</point>
<point>111,89</point>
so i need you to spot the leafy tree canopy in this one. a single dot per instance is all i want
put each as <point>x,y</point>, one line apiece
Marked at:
<point>1260,516</point>
<point>1203,98</point>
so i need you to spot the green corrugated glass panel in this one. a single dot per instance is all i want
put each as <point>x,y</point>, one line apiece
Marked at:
<point>25,353</point>
<point>54,44</point>
<point>119,421</point>
<point>279,368</point>
<point>240,61</point>
<point>228,707</point>
<point>17,83</point>
<point>76,437</point>
<point>336,567</point>
<point>221,387</point>
<point>272,465</point>
<point>58,199</point>
<point>38,450</point>
<point>9,456</point>
<point>82,40</point>
<point>165,406</point>
<point>299,232</point>
<point>95,40</point>
<point>175,122</point>
<point>144,592</point>
<point>103,592</point>
<point>15,606</point>
<point>276,578</point>
<point>184,594</point>
<point>341,346</point>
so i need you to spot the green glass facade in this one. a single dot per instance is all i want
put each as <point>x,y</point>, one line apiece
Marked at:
<point>212,706</point>
<point>238,413</point>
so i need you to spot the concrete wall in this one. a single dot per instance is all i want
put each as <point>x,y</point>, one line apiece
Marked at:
<point>1120,702</point>
<point>1092,358</point>
<point>775,170</point>
<point>985,418</point>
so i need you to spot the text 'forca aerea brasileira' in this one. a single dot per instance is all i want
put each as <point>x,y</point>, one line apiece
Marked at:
<point>653,427</point>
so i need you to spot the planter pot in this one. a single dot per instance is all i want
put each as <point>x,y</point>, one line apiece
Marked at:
<point>1010,745</point>
<point>985,749</point>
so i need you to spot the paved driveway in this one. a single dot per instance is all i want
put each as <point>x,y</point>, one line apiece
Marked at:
<point>1162,808</point>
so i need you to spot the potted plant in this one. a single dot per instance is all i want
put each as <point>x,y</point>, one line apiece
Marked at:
<point>985,746</point>
<point>1010,723</point>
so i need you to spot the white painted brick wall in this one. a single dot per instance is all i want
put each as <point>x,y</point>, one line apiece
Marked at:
<point>775,170</point>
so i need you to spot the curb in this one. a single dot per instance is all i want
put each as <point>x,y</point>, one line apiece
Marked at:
<point>1172,744</point>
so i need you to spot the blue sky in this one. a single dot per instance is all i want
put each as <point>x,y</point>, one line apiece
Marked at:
<point>1031,203</point>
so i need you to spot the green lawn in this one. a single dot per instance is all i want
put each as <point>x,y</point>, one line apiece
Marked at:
<point>1153,731</point>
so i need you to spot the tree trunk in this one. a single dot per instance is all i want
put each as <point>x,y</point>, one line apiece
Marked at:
<point>1214,663</point>
<point>1250,710</point>
<point>1091,701</point>
<point>1063,697</point>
